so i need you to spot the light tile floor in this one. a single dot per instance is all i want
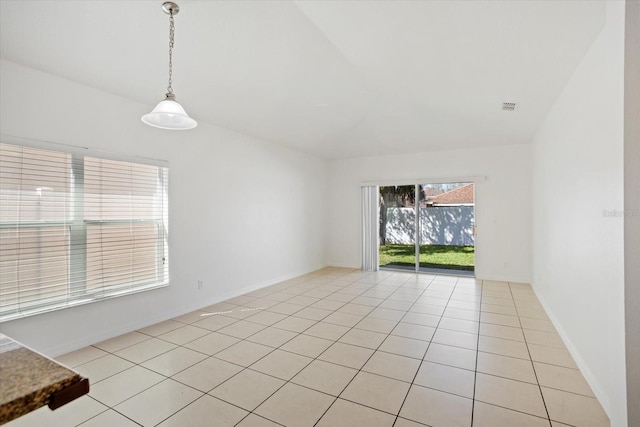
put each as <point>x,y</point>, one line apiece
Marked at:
<point>340,347</point>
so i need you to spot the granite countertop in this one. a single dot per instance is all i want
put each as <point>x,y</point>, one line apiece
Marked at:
<point>29,380</point>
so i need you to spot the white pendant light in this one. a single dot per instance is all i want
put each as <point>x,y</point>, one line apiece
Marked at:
<point>169,114</point>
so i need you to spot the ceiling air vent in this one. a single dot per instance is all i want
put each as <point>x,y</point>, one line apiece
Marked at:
<point>509,106</point>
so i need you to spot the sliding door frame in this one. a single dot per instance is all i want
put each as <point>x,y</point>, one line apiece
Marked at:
<point>416,183</point>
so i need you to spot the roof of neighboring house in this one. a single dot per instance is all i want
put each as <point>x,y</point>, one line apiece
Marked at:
<point>460,195</point>
<point>430,192</point>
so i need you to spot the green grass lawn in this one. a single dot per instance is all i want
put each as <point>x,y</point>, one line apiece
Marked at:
<point>431,256</point>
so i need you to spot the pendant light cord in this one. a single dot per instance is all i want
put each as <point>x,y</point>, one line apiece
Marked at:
<point>171,36</point>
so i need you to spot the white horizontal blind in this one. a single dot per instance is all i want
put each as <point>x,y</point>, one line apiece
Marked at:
<point>76,228</point>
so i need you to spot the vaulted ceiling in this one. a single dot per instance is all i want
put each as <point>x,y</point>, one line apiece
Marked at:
<point>332,78</point>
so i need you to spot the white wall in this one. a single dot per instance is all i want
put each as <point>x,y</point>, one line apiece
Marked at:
<point>243,212</point>
<point>503,203</point>
<point>577,249</point>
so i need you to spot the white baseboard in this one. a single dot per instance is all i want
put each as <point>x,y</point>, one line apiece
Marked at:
<point>501,278</point>
<point>480,276</point>
<point>595,385</point>
<point>343,265</point>
<point>105,334</point>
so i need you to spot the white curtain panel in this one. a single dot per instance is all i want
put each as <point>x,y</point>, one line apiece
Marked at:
<point>370,225</point>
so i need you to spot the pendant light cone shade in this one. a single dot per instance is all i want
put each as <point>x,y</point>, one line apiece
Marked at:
<point>169,114</point>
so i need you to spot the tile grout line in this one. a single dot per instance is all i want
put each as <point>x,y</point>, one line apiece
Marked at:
<point>369,358</point>
<point>161,374</point>
<point>306,289</point>
<point>171,377</point>
<point>237,320</point>
<point>336,340</point>
<point>279,348</point>
<point>138,393</point>
<point>443,315</point>
<point>248,367</point>
<point>533,366</point>
<point>475,373</point>
<point>426,351</point>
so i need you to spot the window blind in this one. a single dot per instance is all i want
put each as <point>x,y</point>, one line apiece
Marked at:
<point>76,228</point>
<point>370,228</point>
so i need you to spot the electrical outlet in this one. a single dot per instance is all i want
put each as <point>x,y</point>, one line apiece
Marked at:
<point>199,284</point>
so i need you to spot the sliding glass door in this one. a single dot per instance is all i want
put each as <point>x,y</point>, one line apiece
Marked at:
<point>446,228</point>
<point>398,227</point>
<point>428,227</point>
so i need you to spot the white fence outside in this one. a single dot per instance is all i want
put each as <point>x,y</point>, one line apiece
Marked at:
<point>441,225</point>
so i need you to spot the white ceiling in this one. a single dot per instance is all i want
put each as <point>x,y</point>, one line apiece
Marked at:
<point>332,78</point>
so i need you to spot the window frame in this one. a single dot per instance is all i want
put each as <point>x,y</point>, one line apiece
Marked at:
<point>77,292</point>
